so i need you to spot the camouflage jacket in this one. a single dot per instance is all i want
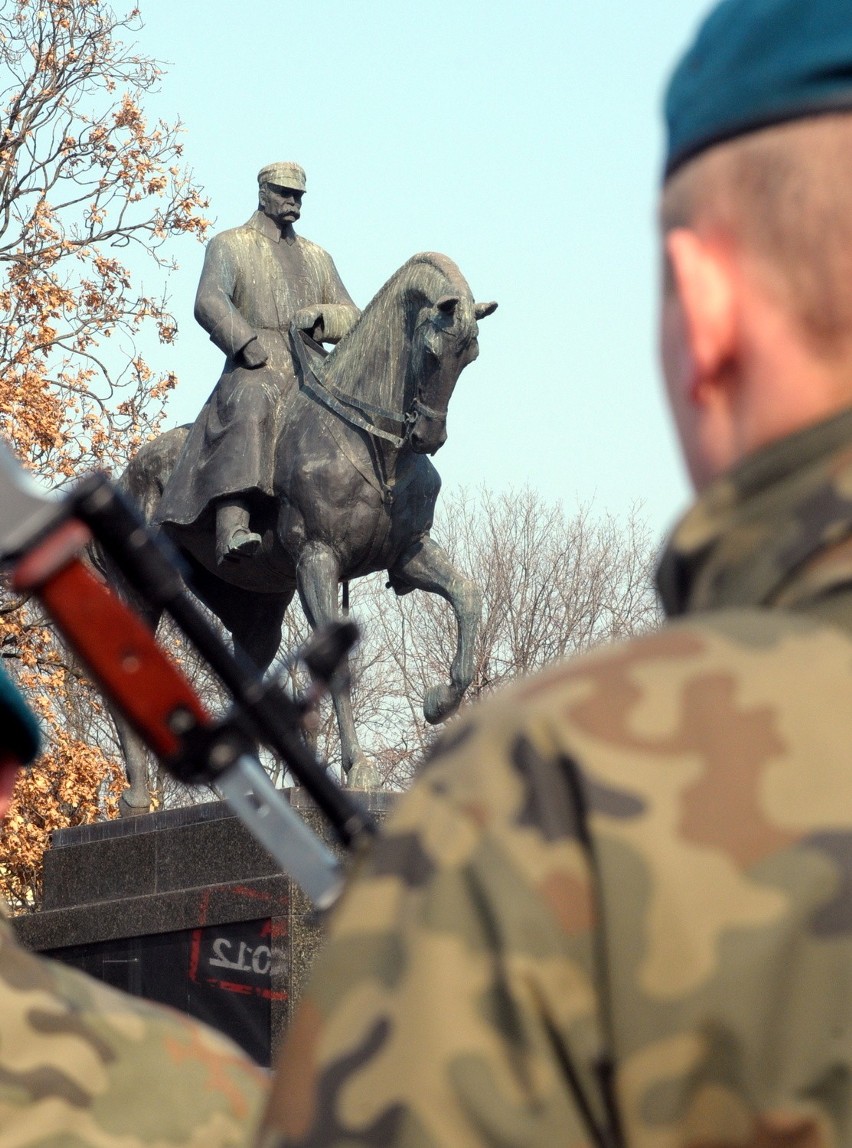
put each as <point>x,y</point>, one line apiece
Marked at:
<point>616,908</point>
<point>84,1066</point>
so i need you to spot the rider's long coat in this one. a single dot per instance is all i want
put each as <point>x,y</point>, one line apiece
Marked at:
<point>254,280</point>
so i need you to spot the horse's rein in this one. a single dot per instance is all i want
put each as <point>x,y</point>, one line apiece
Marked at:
<point>347,408</point>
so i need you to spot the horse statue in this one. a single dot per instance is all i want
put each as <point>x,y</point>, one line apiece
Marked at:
<point>354,490</point>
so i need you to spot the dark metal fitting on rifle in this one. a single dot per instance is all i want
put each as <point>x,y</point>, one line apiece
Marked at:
<point>207,751</point>
<point>326,651</point>
<point>181,721</point>
<point>224,753</point>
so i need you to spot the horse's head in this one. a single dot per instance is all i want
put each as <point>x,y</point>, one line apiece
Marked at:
<point>401,360</point>
<point>444,342</point>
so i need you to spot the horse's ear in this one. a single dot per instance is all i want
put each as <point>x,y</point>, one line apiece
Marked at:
<point>483,310</point>
<point>447,304</point>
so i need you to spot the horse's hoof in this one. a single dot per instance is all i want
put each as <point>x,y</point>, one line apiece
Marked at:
<point>439,703</point>
<point>127,809</point>
<point>362,775</point>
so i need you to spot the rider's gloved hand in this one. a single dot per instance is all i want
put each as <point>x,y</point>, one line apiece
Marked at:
<point>310,319</point>
<point>306,317</point>
<point>253,353</point>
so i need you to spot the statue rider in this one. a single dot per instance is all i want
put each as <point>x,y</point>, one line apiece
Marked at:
<point>257,280</point>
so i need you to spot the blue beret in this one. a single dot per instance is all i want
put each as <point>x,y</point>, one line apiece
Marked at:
<point>756,63</point>
<point>19,734</point>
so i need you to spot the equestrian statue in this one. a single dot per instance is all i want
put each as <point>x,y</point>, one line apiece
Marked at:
<point>308,468</point>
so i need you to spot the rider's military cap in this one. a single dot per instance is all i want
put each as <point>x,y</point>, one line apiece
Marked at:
<point>19,734</point>
<point>755,63</point>
<point>282,175</point>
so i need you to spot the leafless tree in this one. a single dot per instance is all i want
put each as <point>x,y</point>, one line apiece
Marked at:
<point>554,584</point>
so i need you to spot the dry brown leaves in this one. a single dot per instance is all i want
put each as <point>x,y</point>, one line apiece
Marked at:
<point>91,195</point>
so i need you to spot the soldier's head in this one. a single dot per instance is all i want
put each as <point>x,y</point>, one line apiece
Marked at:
<point>280,190</point>
<point>19,739</point>
<point>756,223</point>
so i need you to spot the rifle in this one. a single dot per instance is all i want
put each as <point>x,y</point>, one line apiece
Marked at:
<point>43,537</point>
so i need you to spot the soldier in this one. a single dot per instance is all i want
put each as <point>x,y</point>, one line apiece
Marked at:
<point>82,1064</point>
<point>257,280</point>
<point>616,908</point>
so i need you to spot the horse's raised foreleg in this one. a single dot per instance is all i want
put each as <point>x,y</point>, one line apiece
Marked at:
<point>427,566</point>
<point>318,574</point>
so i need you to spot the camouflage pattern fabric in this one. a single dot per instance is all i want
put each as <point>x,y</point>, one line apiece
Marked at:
<point>84,1066</point>
<point>616,908</point>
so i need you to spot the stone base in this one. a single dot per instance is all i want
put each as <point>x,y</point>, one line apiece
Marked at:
<point>183,906</point>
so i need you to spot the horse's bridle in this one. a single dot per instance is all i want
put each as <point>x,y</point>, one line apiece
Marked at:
<point>344,405</point>
<point>418,408</point>
<point>357,412</point>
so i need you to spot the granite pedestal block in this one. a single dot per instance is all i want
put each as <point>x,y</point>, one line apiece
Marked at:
<point>184,907</point>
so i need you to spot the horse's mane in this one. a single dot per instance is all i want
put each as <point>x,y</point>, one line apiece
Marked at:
<point>369,362</point>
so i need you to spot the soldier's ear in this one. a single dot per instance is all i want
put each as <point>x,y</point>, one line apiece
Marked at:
<point>704,281</point>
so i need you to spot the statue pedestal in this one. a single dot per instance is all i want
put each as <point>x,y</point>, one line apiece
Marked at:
<point>185,908</point>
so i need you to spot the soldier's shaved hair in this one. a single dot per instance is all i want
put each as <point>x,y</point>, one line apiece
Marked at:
<point>784,195</point>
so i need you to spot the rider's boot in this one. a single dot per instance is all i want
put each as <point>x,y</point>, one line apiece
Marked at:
<point>234,536</point>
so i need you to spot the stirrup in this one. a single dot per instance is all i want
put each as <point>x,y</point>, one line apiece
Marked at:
<point>242,544</point>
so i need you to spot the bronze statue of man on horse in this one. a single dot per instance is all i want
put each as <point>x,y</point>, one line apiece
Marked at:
<point>306,469</point>
<point>257,281</point>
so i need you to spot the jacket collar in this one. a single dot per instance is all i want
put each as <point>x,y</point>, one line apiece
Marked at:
<point>769,532</point>
<point>270,229</point>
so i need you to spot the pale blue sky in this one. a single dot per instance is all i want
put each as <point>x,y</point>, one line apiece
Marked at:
<point>522,139</point>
